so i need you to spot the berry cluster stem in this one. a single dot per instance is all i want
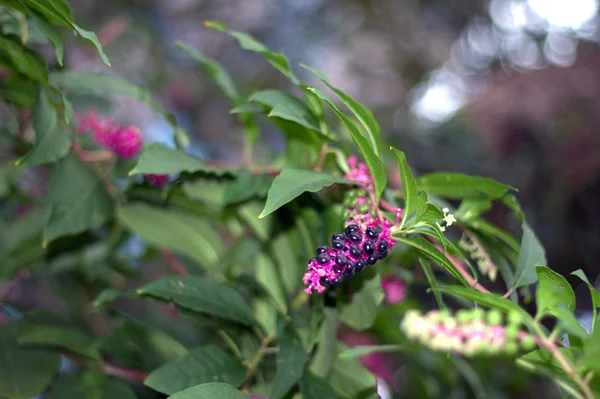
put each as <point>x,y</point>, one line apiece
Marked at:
<point>262,351</point>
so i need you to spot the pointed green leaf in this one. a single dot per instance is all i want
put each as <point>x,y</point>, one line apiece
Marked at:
<point>532,254</point>
<point>157,158</point>
<point>593,292</point>
<point>361,312</point>
<point>178,230</point>
<point>79,200</point>
<point>313,387</point>
<point>200,295</point>
<point>22,59</point>
<point>459,186</point>
<point>69,338</point>
<point>367,350</point>
<point>326,354</point>
<point>409,187</point>
<point>552,290</point>
<point>52,35</point>
<point>291,359</point>
<point>350,379</point>
<point>199,366</point>
<point>214,390</point>
<point>52,141</point>
<point>292,182</point>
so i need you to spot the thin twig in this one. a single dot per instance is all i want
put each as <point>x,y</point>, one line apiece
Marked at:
<point>124,373</point>
<point>16,280</point>
<point>253,365</point>
<point>175,264</point>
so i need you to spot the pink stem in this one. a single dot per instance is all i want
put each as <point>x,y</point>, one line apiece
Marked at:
<point>174,263</point>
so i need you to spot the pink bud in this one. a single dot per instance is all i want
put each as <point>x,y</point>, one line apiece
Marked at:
<point>394,289</point>
<point>127,142</point>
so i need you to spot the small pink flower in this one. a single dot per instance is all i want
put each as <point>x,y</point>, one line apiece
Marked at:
<point>127,142</point>
<point>158,181</point>
<point>394,289</point>
<point>358,171</point>
<point>89,122</point>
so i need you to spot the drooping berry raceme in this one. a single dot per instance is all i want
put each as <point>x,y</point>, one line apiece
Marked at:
<point>124,142</point>
<point>470,332</point>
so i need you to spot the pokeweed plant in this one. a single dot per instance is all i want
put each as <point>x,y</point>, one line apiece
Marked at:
<point>151,271</point>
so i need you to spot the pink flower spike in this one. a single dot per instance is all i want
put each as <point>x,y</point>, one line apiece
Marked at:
<point>127,142</point>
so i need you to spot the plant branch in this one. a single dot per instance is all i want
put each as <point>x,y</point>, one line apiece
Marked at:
<point>176,265</point>
<point>262,351</point>
<point>124,373</point>
<point>16,280</point>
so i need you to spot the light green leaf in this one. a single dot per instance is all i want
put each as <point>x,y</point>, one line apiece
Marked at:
<point>292,182</point>
<point>471,208</point>
<point>350,379</point>
<point>367,350</point>
<point>567,322</point>
<point>200,295</point>
<point>552,290</point>
<point>214,390</point>
<point>459,186</point>
<point>52,35</point>
<point>409,187</point>
<point>216,70</point>
<point>24,373</point>
<point>201,365</point>
<point>69,338</point>
<point>532,254</point>
<point>93,39</point>
<point>181,231</point>
<point>79,200</point>
<point>157,158</point>
<point>22,59</point>
<point>291,359</point>
<point>247,42</point>
<point>373,161</point>
<point>513,204</point>
<point>591,352</point>
<point>430,251</point>
<point>593,292</point>
<point>313,387</point>
<point>433,283</point>
<point>52,141</point>
<point>361,312</point>
<point>490,230</point>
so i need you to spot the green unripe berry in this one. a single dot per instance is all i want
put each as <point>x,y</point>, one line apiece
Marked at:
<point>352,193</point>
<point>477,314</point>
<point>361,193</point>
<point>511,332</point>
<point>528,343</point>
<point>511,348</point>
<point>494,317</point>
<point>464,316</point>
<point>515,318</point>
<point>363,208</point>
<point>373,213</point>
<point>350,202</point>
<point>347,213</point>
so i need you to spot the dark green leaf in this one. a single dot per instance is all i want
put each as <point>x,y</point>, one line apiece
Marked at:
<point>79,200</point>
<point>409,187</point>
<point>242,189</point>
<point>350,379</point>
<point>214,390</point>
<point>56,11</point>
<point>52,141</point>
<point>511,202</point>
<point>361,312</point>
<point>201,365</point>
<point>313,387</point>
<point>181,231</point>
<point>106,297</point>
<point>69,338</point>
<point>200,295</point>
<point>23,372</point>
<point>373,161</point>
<point>459,186</point>
<point>22,59</point>
<point>429,250</point>
<point>326,353</point>
<point>160,159</point>
<point>52,35</point>
<point>593,292</point>
<point>552,290</point>
<point>367,350</point>
<point>291,359</point>
<point>491,230</point>
<point>117,389</point>
<point>432,280</point>
<point>292,182</point>
<point>532,254</point>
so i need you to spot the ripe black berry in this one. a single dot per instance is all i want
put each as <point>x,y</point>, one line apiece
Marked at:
<point>372,233</point>
<point>369,247</point>
<point>323,259</point>
<point>359,266</point>
<point>349,270</point>
<point>341,259</point>
<point>338,237</point>
<point>372,259</point>
<point>355,250</point>
<point>322,249</point>
<point>351,229</point>
<point>335,281</point>
<point>337,244</point>
<point>355,237</point>
<point>383,245</point>
<point>383,254</point>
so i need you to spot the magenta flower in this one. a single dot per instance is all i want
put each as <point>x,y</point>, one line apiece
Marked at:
<point>124,142</point>
<point>359,171</point>
<point>158,181</point>
<point>127,142</point>
<point>394,289</point>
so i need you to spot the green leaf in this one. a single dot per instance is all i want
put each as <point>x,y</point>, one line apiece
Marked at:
<point>433,283</point>
<point>93,39</point>
<point>430,251</point>
<point>181,231</point>
<point>373,161</point>
<point>291,359</point>
<point>215,70</point>
<point>459,186</point>
<point>492,301</point>
<point>214,390</point>
<point>247,42</point>
<point>292,182</point>
<point>532,254</point>
<point>511,202</point>
<point>362,113</point>
<point>313,387</point>
<point>593,292</point>
<point>471,208</point>
<point>326,354</point>
<point>361,312</point>
<point>160,159</point>
<point>200,295</point>
<point>69,338</point>
<point>52,35</point>
<point>493,231</point>
<point>79,200</point>
<point>552,290</point>
<point>350,379</point>
<point>107,296</point>
<point>52,141</point>
<point>591,351</point>
<point>118,389</point>
<point>367,350</point>
<point>242,189</point>
<point>409,187</point>
<point>22,59</point>
<point>201,365</point>
<point>24,373</point>
<point>567,322</point>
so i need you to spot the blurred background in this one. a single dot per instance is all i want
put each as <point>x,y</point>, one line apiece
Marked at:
<point>508,89</point>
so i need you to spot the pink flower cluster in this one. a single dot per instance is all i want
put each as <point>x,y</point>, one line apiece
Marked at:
<point>123,141</point>
<point>394,289</point>
<point>359,172</point>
